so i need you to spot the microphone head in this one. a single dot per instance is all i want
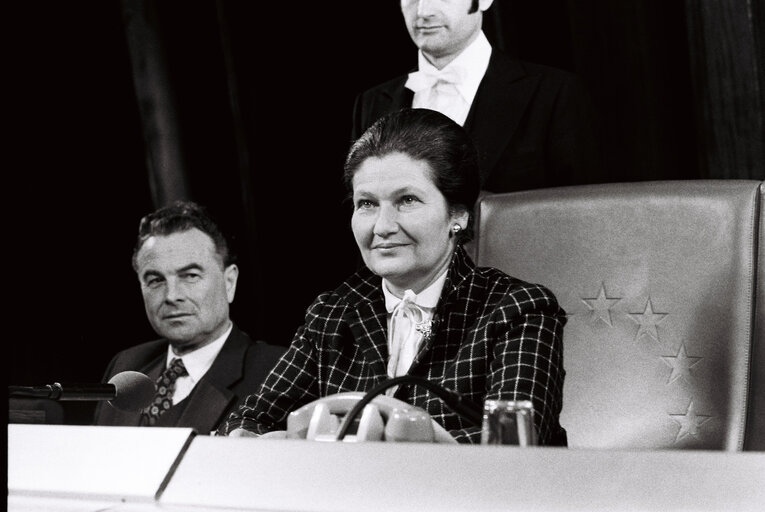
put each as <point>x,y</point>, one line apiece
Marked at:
<point>133,390</point>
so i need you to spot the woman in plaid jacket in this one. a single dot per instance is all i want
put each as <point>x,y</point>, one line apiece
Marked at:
<point>420,306</point>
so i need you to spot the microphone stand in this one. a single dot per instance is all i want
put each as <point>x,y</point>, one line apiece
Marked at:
<point>73,392</point>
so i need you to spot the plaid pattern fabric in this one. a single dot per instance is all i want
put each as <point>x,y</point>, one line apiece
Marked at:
<point>496,337</point>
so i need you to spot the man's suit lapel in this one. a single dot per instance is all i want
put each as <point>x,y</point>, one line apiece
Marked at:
<point>393,97</point>
<point>212,395</point>
<point>496,112</point>
<point>498,107</point>
<point>206,404</point>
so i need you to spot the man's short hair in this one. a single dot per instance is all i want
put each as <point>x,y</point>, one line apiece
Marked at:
<point>178,217</point>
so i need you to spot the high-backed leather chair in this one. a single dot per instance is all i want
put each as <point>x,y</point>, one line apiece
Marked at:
<point>659,282</point>
<point>755,439</point>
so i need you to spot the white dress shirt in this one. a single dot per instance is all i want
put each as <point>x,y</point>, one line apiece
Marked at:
<point>452,89</point>
<point>197,364</point>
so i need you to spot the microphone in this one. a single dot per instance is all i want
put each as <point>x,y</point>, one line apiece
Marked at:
<point>127,391</point>
<point>451,398</point>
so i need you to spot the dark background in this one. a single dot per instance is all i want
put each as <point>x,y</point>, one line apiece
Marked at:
<point>257,98</point>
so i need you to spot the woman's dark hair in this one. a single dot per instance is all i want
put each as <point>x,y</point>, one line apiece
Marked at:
<point>179,217</point>
<point>431,137</point>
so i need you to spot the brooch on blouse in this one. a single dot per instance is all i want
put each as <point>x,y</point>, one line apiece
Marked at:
<point>425,329</point>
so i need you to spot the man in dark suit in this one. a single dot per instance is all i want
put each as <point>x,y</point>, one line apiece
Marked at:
<point>204,364</point>
<point>531,124</point>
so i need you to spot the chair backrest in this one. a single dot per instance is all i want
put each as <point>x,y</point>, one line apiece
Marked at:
<point>755,439</point>
<point>658,280</point>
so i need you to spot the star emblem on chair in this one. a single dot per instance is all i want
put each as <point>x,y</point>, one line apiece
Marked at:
<point>601,305</point>
<point>689,422</point>
<point>647,321</point>
<point>681,364</point>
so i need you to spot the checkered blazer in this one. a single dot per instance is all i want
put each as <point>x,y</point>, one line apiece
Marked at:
<point>496,337</point>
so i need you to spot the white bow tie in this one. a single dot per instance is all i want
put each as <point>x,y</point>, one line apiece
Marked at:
<point>427,78</point>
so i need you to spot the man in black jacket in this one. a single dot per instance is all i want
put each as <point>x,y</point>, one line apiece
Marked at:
<point>204,364</point>
<point>531,124</point>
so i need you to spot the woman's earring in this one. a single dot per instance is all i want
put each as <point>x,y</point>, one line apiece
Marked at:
<point>456,228</point>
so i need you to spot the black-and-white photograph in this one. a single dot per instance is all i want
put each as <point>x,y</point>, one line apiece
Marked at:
<point>453,255</point>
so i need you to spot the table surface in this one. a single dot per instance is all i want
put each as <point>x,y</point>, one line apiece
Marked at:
<point>217,473</point>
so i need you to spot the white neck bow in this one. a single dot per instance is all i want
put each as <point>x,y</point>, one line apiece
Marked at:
<point>428,77</point>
